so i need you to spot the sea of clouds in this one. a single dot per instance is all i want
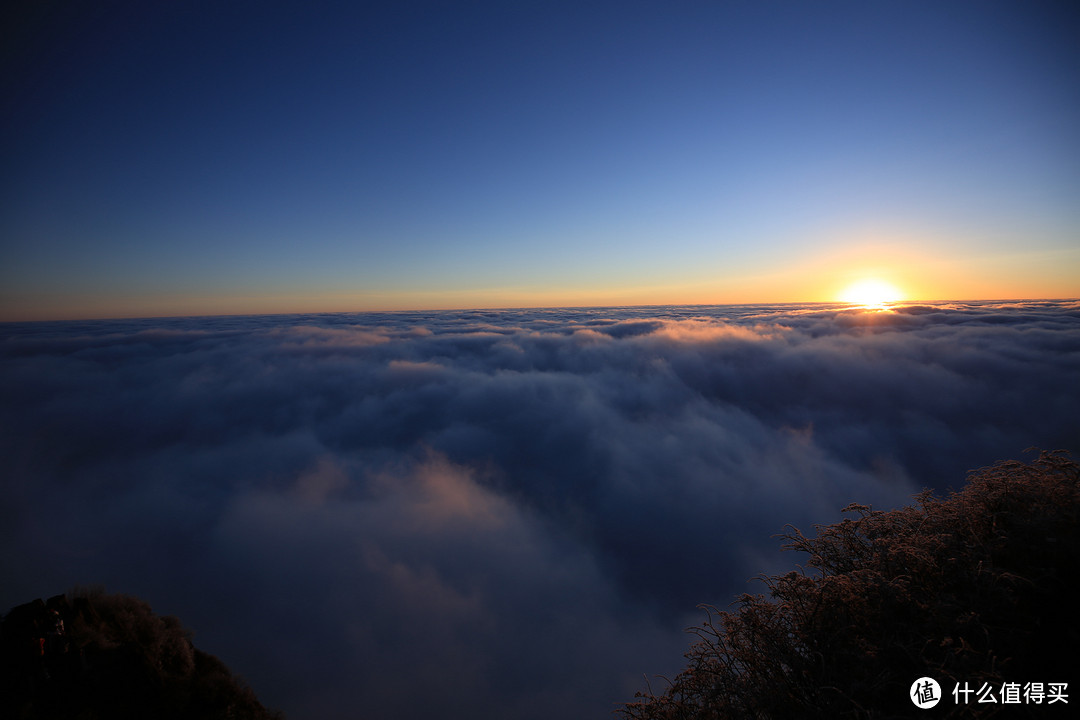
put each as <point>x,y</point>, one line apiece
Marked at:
<point>489,514</point>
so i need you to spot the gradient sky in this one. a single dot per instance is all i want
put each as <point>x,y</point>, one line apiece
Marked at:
<point>242,157</point>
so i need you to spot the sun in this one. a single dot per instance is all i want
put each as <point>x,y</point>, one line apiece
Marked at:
<point>872,293</point>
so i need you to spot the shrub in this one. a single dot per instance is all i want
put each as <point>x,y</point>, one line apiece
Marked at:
<point>111,657</point>
<point>978,587</point>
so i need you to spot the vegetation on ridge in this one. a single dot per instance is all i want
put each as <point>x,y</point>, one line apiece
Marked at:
<point>976,588</point>
<point>90,655</point>
<point>979,587</point>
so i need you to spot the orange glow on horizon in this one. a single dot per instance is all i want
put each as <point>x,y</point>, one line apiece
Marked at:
<point>872,293</point>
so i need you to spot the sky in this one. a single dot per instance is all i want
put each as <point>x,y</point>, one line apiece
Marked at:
<point>204,158</point>
<point>490,515</point>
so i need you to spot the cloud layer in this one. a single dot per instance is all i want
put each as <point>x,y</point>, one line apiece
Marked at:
<point>492,513</point>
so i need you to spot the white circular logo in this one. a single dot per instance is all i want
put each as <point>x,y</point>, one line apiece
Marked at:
<point>925,693</point>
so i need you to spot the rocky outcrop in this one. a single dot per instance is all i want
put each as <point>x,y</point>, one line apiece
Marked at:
<point>91,655</point>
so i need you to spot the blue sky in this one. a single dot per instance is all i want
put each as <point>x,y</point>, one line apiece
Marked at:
<point>269,157</point>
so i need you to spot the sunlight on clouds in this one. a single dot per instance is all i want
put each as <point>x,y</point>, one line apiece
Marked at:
<point>705,331</point>
<point>309,338</point>
<point>439,496</point>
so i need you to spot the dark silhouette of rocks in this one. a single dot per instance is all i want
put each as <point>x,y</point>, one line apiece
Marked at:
<point>91,655</point>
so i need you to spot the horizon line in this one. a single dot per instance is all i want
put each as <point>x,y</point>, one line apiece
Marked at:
<point>835,303</point>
